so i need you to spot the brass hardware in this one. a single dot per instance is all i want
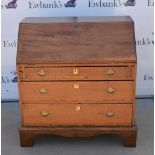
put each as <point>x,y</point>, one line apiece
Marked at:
<point>76,86</point>
<point>44,113</point>
<point>75,71</point>
<point>77,107</point>
<point>109,113</point>
<point>110,90</point>
<point>110,72</point>
<point>42,73</point>
<point>43,90</point>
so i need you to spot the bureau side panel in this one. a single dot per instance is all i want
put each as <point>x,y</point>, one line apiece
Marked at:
<point>134,73</point>
<point>20,75</point>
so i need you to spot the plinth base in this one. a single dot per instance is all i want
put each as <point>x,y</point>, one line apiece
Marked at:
<point>27,134</point>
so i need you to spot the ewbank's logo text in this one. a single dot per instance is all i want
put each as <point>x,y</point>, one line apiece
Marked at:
<point>148,77</point>
<point>146,41</point>
<point>9,44</point>
<point>49,4</point>
<point>10,78</point>
<point>111,3</point>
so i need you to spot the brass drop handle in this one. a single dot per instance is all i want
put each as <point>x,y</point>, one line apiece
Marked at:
<point>75,71</point>
<point>44,113</point>
<point>110,72</point>
<point>42,91</point>
<point>110,90</point>
<point>110,114</point>
<point>42,73</point>
<point>77,108</point>
<point>76,86</point>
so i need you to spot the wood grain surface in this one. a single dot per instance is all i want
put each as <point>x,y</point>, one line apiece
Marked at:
<point>128,134</point>
<point>88,92</point>
<point>77,77</point>
<point>74,42</point>
<point>83,73</point>
<point>67,115</point>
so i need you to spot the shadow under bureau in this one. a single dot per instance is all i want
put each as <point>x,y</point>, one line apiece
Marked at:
<point>77,77</point>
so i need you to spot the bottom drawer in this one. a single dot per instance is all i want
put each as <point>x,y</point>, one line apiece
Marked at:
<point>77,114</point>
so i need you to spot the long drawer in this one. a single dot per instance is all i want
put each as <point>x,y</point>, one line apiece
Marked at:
<point>77,114</point>
<point>86,92</point>
<point>75,73</point>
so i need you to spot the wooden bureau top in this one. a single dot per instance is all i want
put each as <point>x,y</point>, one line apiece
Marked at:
<point>76,40</point>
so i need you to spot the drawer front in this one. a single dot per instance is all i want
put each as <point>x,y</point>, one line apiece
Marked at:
<point>77,114</point>
<point>76,73</point>
<point>88,92</point>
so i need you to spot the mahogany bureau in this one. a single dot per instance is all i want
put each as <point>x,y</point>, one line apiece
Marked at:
<point>77,77</point>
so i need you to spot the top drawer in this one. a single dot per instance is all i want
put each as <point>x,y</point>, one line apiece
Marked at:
<point>75,73</point>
